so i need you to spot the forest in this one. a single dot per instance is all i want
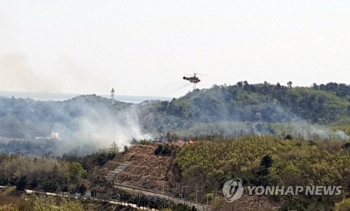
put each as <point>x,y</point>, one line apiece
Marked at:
<point>260,160</point>
<point>266,161</point>
<point>265,134</point>
<point>321,104</point>
<point>324,104</point>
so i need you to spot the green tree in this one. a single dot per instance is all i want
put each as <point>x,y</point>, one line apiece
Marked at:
<point>21,184</point>
<point>82,189</point>
<point>76,172</point>
<point>114,148</point>
<point>264,170</point>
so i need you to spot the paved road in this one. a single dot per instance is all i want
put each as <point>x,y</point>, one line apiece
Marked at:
<point>154,194</point>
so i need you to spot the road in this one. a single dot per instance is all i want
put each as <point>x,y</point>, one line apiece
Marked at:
<point>91,198</point>
<point>154,194</point>
<point>199,207</point>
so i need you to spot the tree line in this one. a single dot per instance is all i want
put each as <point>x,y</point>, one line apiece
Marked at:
<point>267,161</point>
<point>322,104</point>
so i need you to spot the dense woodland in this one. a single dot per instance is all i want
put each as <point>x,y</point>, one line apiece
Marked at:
<point>271,103</point>
<point>264,160</point>
<point>322,104</point>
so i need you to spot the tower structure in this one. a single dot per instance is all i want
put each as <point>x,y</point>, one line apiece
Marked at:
<point>112,97</point>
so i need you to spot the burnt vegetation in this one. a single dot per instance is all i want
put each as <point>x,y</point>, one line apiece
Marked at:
<point>163,150</point>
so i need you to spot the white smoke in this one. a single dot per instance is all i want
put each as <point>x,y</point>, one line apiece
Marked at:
<point>19,75</point>
<point>99,127</point>
<point>309,131</point>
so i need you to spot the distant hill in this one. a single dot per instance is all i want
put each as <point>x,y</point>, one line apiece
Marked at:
<point>254,103</point>
<point>321,104</point>
<point>65,96</point>
<point>26,118</point>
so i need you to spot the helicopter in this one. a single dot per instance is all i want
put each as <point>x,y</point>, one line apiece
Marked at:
<point>193,79</point>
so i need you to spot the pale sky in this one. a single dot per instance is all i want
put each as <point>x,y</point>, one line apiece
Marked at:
<point>145,47</point>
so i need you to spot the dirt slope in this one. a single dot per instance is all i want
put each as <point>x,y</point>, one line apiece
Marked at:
<point>146,170</point>
<point>151,172</point>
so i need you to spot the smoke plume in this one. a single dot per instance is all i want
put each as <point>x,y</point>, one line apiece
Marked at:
<point>19,76</point>
<point>78,126</point>
<point>98,127</point>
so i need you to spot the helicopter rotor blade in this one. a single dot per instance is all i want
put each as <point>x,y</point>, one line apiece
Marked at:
<point>200,74</point>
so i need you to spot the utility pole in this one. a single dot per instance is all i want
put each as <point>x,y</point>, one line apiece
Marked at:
<point>182,192</point>
<point>7,177</point>
<point>140,192</point>
<point>197,194</point>
<point>164,192</point>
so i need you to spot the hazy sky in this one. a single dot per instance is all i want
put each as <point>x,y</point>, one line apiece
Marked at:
<point>145,47</point>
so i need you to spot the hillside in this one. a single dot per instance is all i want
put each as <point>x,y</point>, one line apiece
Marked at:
<point>145,168</point>
<point>89,122</point>
<point>322,104</point>
<point>27,118</point>
<point>256,160</point>
<point>154,172</point>
<point>201,164</point>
